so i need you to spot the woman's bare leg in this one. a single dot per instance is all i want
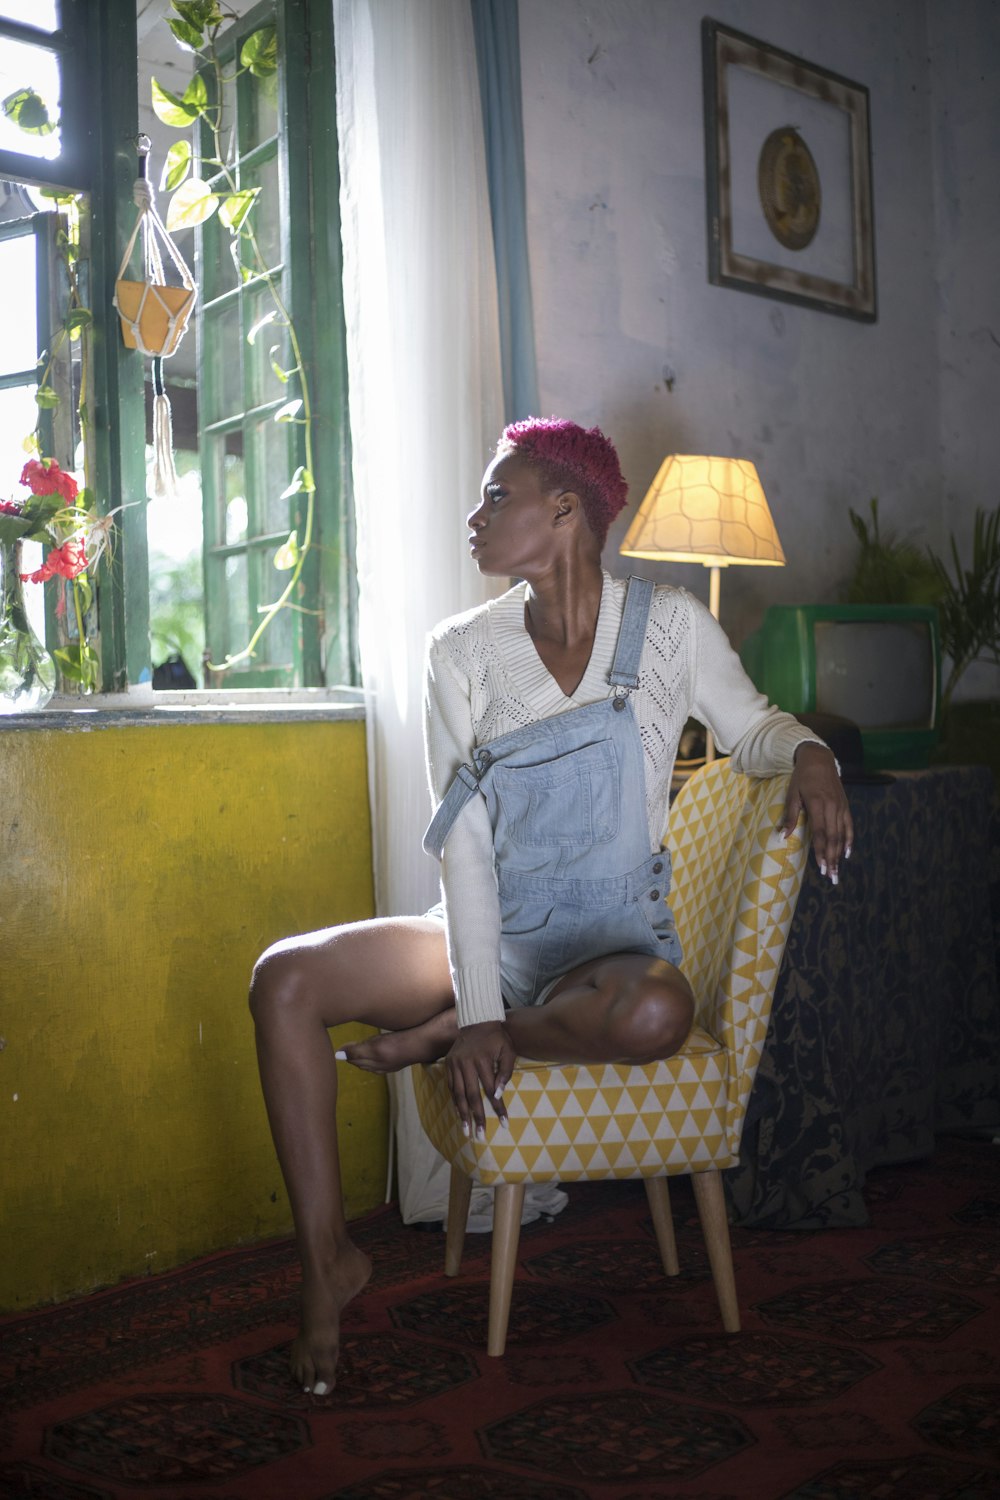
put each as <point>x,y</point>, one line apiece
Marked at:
<point>391,973</point>
<point>623,1008</point>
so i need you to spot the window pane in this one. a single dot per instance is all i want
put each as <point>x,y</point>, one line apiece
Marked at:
<point>272,469</point>
<point>264,385</point>
<point>236,607</point>
<point>26,67</point>
<point>266,215</point>
<point>222,374</point>
<point>42,14</point>
<point>219,270</point>
<point>260,110</point>
<point>19,345</point>
<point>271,584</point>
<point>18,415</point>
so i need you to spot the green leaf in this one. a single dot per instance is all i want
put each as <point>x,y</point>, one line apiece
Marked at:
<point>288,553</point>
<point>28,111</point>
<point>187,36</point>
<point>192,204</point>
<point>236,207</point>
<point>261,323</point>
<point>200,13</point>
<point>79,319</point>
<point>288,412</point>
<point>259,52</point>
<point>84,591</point>
<point>171,109</point>
<point>46,398</point>
<point>195,96</point>
<point>301,480</point>
<point>77,662</point>
<point>177,166</point>
<point>12,528</point>
<point>283,375</point>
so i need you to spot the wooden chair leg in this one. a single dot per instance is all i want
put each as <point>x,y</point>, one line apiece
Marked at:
<point>658,1194</point>
<point>711,1201</point>
<point>459,1193</point>
<point>508,1201</point>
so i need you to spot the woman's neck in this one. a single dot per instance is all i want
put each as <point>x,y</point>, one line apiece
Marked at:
<point>560,616</point>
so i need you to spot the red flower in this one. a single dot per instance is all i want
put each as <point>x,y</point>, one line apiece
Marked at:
<point>44,477</point>
<point>69,561</point>
<point>9,508</point>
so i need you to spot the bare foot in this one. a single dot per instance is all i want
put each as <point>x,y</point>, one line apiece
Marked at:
<point>393,1050</point>
<point>326,1291</point>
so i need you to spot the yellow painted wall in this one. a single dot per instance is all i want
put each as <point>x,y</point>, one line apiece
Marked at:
<point>142,870</point>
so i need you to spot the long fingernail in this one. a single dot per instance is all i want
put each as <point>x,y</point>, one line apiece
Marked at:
<point>847,851</point>
<point>498,1091</point>
<point>480,1133</point>
<point>822,867</point>
<point>341,1056</point>
<point>834,878</point>
<point>465,1127</point>
<point>320,1388</point>
<point>505,1123</point>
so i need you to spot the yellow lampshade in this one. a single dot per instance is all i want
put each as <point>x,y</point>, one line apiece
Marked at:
<point>707,510</point>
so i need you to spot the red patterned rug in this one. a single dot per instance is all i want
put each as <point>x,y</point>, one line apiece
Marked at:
<point>869,1365</point>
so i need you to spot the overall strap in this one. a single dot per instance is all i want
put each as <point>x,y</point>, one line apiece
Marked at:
<point>632,634</point>
<point>624,674</point>
<point>464,785</point>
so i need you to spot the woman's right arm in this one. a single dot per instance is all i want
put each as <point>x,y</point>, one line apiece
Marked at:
<point>482,1059</point>
<point>468,884</point>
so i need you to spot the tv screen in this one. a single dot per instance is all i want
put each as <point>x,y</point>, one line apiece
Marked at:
<point>878,673</point>
<point>876,665</point>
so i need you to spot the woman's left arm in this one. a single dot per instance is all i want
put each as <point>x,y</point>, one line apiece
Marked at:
<point>815,789</point>
<point>763,741</point>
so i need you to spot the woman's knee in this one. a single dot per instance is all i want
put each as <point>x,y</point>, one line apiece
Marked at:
<point>288,980</point>
<point>651,1019</point>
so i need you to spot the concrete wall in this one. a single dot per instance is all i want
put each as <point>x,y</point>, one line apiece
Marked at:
<point>631,334</point>
<point>142,870</point>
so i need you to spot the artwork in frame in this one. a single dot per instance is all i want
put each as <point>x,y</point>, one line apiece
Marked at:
<point>788,174</point>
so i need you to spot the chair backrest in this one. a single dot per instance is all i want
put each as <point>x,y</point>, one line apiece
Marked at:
<point>736,880</point>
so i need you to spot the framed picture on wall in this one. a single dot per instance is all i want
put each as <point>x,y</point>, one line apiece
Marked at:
<point>789,178</point>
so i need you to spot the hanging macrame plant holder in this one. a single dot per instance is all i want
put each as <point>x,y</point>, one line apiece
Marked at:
<point>154,317</point>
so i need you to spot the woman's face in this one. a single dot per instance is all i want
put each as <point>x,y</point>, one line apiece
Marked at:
<point>511,530</point>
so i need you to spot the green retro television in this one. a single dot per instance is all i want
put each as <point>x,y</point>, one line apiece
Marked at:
<point>878,665</point>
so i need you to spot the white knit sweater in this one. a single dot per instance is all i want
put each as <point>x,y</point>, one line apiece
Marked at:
<point>485,678</point>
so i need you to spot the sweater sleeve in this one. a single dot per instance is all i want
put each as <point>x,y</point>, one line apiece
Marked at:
<point>761,739</point>
<point>468,883</point>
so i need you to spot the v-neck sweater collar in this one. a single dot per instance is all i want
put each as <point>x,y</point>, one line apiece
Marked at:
<point>536,686</point>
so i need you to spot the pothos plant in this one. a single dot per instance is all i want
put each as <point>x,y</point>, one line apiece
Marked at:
<point>196,26</point>
<point>67,520</point>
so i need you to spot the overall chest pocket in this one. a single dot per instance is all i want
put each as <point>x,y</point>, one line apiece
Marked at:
<point>571,799</point>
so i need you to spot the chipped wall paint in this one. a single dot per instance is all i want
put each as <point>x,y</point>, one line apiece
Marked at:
<point>141,872</point>
<point>631,334</point>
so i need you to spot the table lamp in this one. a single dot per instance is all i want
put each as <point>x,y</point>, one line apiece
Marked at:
<point>707,510</point>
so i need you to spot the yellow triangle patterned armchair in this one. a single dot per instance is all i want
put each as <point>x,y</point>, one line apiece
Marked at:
<point>736,880</point>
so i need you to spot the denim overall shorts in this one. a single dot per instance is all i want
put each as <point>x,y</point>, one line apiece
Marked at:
<point>567,801</point>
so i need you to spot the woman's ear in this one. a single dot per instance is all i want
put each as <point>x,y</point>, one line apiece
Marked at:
<point>567,507</point>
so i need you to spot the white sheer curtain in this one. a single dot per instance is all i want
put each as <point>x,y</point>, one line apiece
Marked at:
<point>426,405</point>
<point>424,373</point>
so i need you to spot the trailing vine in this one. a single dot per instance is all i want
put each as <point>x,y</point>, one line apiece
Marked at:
<point>196,27</point>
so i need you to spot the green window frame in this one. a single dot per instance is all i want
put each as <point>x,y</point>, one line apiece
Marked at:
<point>97,51</point>
<point>282,139</point>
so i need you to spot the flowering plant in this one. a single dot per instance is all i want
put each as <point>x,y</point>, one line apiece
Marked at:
<point>58,513</point>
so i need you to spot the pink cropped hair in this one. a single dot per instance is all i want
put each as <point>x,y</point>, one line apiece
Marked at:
<point>573,458</point>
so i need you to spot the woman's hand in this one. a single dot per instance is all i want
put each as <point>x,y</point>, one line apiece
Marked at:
<point>480,1062</point>
<point>815,789</point>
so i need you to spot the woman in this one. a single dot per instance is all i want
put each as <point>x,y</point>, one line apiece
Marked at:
<point>553,717</point>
